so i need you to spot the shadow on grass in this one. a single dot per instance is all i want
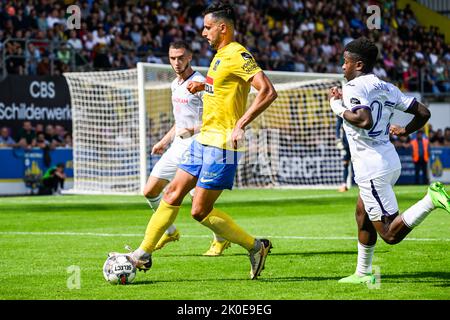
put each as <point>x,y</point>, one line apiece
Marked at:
<point>439,279</point>
<point>302,254</point>
<point>260,280</point>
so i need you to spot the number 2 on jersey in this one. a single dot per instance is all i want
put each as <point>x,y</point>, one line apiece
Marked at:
<point>372,133</point>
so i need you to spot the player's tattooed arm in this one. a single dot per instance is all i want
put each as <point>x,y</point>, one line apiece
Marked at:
<point>421,116</point>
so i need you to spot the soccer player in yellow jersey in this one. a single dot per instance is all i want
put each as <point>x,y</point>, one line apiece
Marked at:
<point>210,162</point>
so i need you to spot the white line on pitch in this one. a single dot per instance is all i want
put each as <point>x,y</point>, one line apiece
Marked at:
<point>69,200</point>
<point>92,234</point>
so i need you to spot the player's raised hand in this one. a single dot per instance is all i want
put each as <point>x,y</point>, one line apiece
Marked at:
<point>335,92</point>
<point>237,138</point>
<point>397,130</point>
<point>159,148</point>
<point>195,86</point>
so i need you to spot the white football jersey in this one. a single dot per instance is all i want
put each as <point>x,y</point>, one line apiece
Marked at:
<point>373,155</point>
<point>187,107</point>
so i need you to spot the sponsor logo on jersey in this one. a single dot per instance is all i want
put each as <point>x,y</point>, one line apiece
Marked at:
<point>209,85</point>
<point>246,56</point>
<point>249,66</point>
<point>180,100</point>
<point>250,63</point>
<point>355,101</point>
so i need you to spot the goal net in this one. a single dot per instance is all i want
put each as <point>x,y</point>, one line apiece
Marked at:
<point>119,115</point>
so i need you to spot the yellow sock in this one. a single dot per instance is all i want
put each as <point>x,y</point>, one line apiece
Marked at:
<point>163,217</point>
<point>222,224</point>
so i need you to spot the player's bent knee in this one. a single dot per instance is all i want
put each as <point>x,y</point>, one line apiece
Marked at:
<point>149,193</point>
<point>391,240</point>
<point>173,197</point>
<point>199,212</point>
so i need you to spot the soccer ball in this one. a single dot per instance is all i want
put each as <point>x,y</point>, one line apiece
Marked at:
<point>119,269</point>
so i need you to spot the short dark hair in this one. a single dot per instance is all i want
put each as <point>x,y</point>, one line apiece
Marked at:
<point>221,10</point>
<point>364,50</point>
<point>180,44</point>
<point>61,165</point>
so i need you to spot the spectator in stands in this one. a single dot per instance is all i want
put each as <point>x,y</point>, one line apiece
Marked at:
<point>53,139</point>
<point>420,156</point>
<point>60,132</point>
<point>41,142</point>
<point>5,138</point>
<point>33,57</point>
<point>68,143</point>
<point>438,138</point>
<point>431,131</point>
<point>26,137</point>
<point>39,127</point>
<point>277,33</point>
<point>74,41</point>
<point>15,64</point>
<point>447,137</point>
<point>63,54</point>
<point>101,60</point>
<point>379,71</point>
<point>43,67</point>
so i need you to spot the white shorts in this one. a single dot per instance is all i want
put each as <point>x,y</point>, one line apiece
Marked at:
<point>166,167</point>
<point>378,195</point>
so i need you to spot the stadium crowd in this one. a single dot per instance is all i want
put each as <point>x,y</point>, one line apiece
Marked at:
<point>46,137</point>
<point>289,35</point>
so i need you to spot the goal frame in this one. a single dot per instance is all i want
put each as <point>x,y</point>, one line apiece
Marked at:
<point>295,76</point>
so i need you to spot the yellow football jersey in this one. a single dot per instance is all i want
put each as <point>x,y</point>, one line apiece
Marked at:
<point>227,87</point>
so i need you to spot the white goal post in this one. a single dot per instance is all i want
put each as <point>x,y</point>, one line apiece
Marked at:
<point>119,115</point>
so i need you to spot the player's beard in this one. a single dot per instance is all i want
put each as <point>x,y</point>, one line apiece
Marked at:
<point>214,44</point>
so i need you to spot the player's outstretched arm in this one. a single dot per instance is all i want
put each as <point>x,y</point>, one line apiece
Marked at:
<point>421,116</point>
<point>161,146</point>
<point>265,96</point>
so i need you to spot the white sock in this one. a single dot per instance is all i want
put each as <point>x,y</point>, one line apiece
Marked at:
<point>140,254</point>
<point>219,238</point>
<point>415,214</point>
<point>171,229</point>
<point>365,255</point>
<point>154,202</point>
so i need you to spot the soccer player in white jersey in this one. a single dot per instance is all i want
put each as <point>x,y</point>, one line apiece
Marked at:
<point>187,111</point>
<point>367,104</point>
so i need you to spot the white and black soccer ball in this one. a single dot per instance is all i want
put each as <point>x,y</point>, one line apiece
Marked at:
<point>119,269</point>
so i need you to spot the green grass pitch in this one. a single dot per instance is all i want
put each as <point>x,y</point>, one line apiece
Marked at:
<point>313,233</point>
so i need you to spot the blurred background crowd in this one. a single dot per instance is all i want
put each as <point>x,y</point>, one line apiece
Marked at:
<point>288,35</point>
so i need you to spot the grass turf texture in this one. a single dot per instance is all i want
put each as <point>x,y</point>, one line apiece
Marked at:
<point>313,233</point>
